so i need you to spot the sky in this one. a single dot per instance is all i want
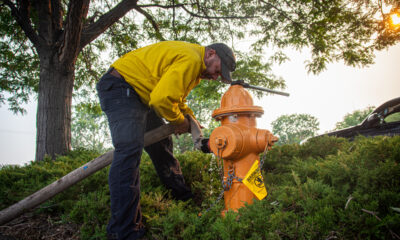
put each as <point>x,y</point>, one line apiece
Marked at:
<point>335,92</point>
<point>328,96</point>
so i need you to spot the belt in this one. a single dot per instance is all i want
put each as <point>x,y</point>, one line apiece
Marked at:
<point>115,73</point>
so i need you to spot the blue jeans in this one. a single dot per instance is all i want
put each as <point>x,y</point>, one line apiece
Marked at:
<point>128,120</point>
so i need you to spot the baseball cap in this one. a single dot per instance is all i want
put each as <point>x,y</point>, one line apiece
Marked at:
<point>228,60</point>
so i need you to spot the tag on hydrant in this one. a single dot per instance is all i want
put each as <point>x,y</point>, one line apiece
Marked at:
<point>255,182</point>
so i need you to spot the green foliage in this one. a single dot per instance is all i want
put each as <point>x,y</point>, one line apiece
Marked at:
<point>19,64</point>
<point>252,69</point>
<point>89,128</point>
<point>325,188</point>
<point>333,30</point>
<point>205,98</point>
<point>19,181</point>
<point>393,117</point>
<point>182,143</point>
<point>354,118</point>
<point>90,66</point>
<point>294,128</point>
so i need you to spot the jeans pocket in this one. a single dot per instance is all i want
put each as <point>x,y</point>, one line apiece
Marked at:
<point>110,94</point>
<point>110,98</point>
<point>123,108</point>
<point>104,85</point>
<point>127,133</point>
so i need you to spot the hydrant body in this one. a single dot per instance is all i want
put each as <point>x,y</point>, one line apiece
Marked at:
<point>238,142</point>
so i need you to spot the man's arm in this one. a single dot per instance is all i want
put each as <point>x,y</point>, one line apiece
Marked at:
<point>169,94</point>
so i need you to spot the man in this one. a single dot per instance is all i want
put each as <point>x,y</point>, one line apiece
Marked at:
<point>140,89</point>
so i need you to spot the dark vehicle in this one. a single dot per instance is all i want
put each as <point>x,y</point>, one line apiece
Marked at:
<point>384,120</point>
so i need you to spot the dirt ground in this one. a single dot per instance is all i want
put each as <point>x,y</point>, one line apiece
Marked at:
<point>35,227</point>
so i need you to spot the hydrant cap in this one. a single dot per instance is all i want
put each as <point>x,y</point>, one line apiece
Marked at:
<point>237,100</point>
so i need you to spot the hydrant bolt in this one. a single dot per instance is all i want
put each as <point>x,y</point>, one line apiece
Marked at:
<point>220,142</point>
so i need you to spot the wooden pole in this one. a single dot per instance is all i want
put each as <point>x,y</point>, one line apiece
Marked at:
<point>75,176</point>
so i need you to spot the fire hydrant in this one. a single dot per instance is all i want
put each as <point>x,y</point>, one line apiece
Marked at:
<point>238,142</point>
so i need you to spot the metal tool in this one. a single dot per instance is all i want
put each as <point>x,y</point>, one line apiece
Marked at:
<point>246,85</point>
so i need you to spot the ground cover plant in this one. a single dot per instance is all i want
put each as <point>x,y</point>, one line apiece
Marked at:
<point>327,188</point>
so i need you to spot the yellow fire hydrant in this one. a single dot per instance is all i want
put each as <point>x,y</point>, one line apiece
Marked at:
<point>238,142</point>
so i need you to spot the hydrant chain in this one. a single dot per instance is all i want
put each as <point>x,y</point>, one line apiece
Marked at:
<point>262,159</point>
<point>219,164</point>
<point>227,185</point>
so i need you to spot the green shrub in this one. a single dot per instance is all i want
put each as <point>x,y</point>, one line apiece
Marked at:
<point>326,188</point>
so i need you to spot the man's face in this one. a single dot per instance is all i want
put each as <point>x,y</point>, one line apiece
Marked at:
<point>213,66</point>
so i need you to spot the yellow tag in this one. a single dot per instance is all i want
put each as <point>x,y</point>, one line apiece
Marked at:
<point>255,182</point>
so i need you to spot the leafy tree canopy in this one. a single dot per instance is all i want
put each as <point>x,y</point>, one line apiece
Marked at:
<point>294,128</point>
<point>332,30</point>
<point>354,118</point>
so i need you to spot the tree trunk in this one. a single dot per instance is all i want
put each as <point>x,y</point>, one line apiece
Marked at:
<point>59,30</point>
<point>54,107</point>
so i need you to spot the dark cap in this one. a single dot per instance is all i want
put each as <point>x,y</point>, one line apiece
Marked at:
<point>228,60</point>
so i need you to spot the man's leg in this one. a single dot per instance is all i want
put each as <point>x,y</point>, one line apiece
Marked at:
<point>166,165</point>
<point>127,118</point>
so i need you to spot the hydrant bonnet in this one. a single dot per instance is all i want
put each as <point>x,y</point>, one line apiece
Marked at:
<point>237,100</point>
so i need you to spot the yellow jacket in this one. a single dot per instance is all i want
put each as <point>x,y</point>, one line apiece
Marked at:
<point>163,74</point>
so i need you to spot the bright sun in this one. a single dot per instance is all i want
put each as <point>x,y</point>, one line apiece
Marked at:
<point>395,17</point>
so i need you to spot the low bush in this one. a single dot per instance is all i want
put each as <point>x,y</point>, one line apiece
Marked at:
<point>327,188</point>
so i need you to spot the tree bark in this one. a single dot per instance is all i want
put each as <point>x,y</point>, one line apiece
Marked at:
<point>57,63</point>
<point>54,107</point>
<point>57,55</point>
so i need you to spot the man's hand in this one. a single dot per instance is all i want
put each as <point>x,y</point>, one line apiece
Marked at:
<point>183,127</point>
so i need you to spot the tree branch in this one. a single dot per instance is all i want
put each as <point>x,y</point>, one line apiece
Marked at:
<point>44,22</point>
<point>88,63</point>
<point>152,21</point>
<point>173,19</point>
<point>279,10</point>
<point>56,15</point>
<point>394,235</point>
<point>23,20</point>
<point>93,30</point>
<point>161,6</point>
<point>208,17</point>
<point>174,6</point>
<point>77,11</point>
<point>183,6</point>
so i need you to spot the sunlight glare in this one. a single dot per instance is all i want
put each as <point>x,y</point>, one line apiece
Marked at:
<point>395,17</point>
